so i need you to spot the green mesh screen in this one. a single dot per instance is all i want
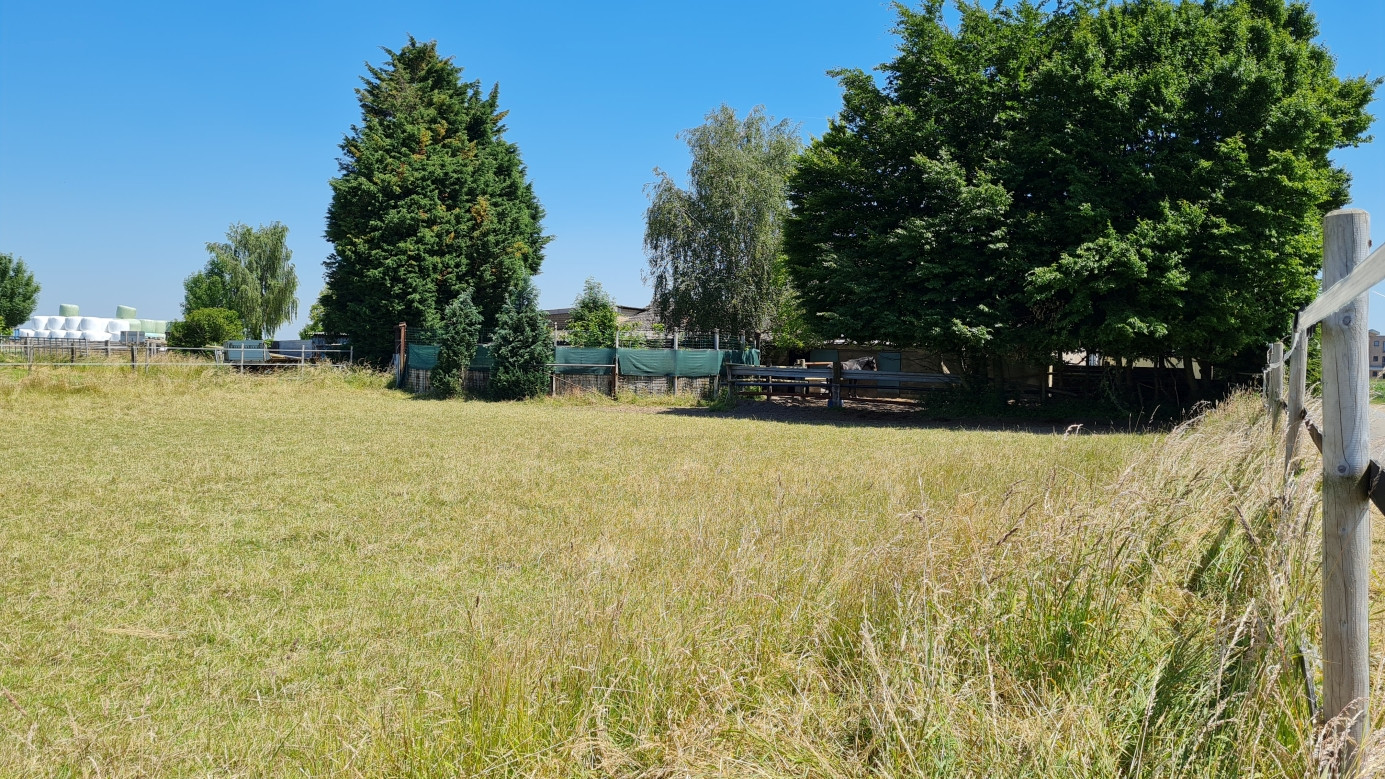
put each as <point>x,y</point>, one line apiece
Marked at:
<point>633,362</point>
<point>422,358</point>
<point>572,359</point>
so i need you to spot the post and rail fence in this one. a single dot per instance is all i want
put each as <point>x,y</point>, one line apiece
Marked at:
<point>1350,478</point>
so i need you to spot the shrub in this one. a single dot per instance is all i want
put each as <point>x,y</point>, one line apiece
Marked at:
<point>522,347</point>
<point>461,330</point>
<point>206,327</point>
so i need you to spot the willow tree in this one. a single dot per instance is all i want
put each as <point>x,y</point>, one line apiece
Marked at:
<point>431,200</point>
<point>260,278</point>
<point>715,247</point>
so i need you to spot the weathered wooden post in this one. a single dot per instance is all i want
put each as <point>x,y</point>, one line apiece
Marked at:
<point>615,368</point>
<point>1274,383</point>
<point>399,366</point>
<point>834,390</point>
<point>675,361</point>
<point>1298,378</point>
<point>1346,539</point>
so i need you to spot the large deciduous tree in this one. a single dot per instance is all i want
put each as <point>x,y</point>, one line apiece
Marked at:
<point>714,247</point>
<point>1136,179</point>
<point>431,200</point>
<point>593,321</point>
<point>208,288</point>
<point>260,278</point>
<point>18,291</point>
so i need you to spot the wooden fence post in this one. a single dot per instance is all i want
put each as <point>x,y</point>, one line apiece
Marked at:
<point>1346,539</point>
<point>399,368</point>
<point>675,361</point>
<point>1298,379</point>
<point>1274,383</point>
<point>834,390</point>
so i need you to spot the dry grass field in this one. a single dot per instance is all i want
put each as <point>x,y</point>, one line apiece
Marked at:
<point>312,575</point>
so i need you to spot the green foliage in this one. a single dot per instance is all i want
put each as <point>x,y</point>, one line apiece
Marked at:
<point>522,347</point>
<point>431,200</point>
<point>593,319</point>
<point>314,323</point>
<point>259,277</point>
<point>713,247</point>
<point>18,291</point>
<point>206,327</point>
<point>1136,180</point>
<point>208,288</point>
<point>460,333</point>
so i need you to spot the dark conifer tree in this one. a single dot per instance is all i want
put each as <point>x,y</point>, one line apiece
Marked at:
<point>522,347</point>
<point>461,330</point>
<point>431,200</point>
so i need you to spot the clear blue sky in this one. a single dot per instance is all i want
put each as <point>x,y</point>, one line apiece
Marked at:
<point>133,133</point>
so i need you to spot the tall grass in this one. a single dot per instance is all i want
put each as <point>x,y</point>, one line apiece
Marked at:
<point>314,575</point>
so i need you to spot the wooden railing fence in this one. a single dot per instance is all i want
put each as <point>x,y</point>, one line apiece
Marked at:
<point>1350,479</point>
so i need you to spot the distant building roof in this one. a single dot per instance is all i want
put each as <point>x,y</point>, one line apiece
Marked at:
<point>559,317</point>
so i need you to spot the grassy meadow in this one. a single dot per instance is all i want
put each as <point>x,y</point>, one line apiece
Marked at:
<point>211,575</point>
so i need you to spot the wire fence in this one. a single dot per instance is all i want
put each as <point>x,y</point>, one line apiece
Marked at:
<point>71,353</point>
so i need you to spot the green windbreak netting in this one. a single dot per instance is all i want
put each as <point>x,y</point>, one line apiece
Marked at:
<point>572,359</point>
<point>422,358</point>
<point>633,362</point>
<point>682,362</point>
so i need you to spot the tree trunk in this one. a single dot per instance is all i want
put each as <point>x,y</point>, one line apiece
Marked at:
<point>1194,391</point>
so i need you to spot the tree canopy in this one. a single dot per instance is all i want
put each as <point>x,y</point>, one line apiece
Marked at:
<point>431,199</point>
<point>259,276</point>
<point>18,291</point>
<point>593,320</point>
<point>208,288</point>
<point>715,247</point>
<point>1137,179</point>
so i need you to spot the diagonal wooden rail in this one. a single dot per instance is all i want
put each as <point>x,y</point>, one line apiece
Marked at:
<point>1371,483</point>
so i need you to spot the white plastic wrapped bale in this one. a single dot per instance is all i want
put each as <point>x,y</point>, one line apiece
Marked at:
<point>72,335</point>
<point>117,326</point>
<point>94,324</point>
<point>41,323</point>
<point>91,335</point>
<point>73,323</point>
<point>25,332</point>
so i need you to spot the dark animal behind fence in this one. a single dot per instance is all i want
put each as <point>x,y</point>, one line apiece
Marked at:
<point>861,364</point>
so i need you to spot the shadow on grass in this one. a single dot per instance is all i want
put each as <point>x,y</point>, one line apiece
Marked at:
<point>1066,419</point>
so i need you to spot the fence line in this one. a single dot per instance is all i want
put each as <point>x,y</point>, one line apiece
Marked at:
<point>832,381</point>
<point>1350,478</point>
